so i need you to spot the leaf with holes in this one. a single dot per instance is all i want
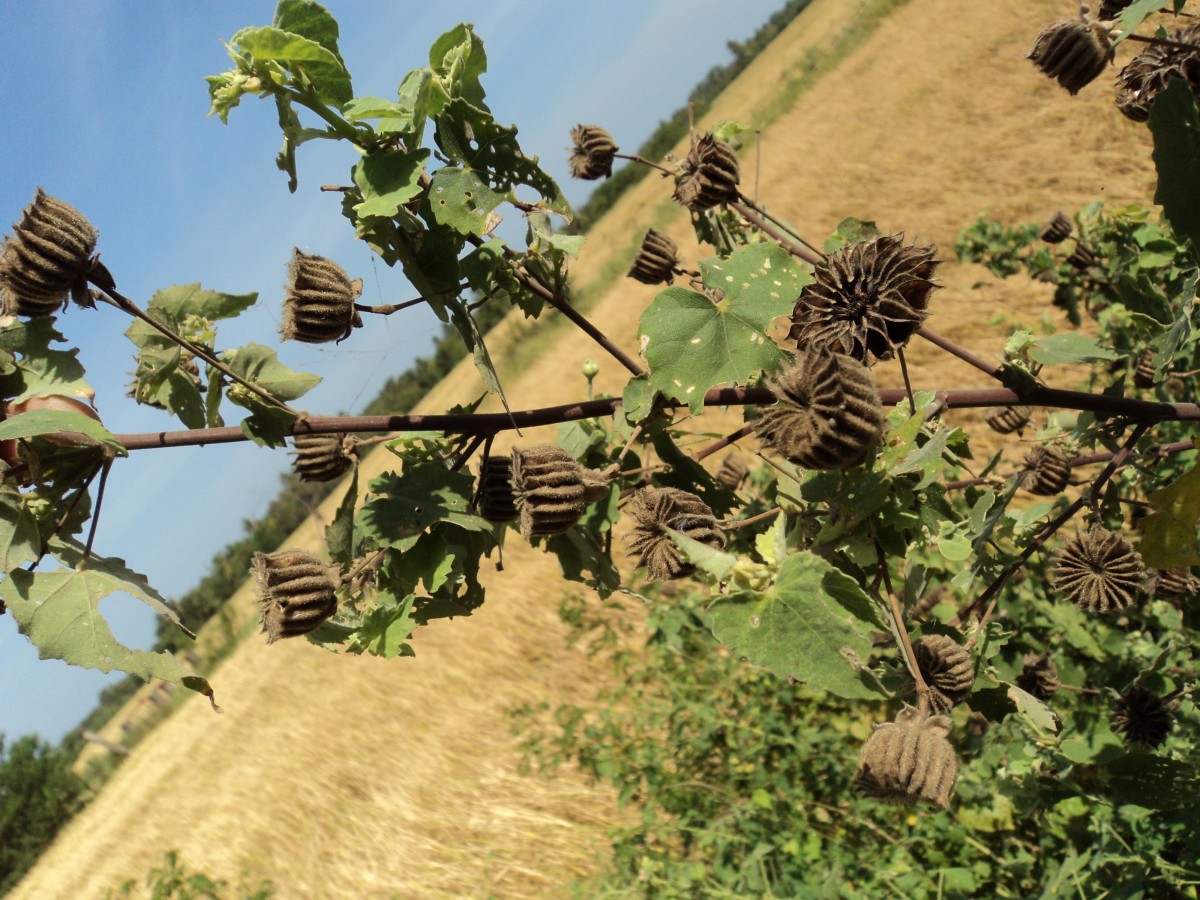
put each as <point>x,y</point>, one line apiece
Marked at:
<point>459,198</point>
<point>693,343</point>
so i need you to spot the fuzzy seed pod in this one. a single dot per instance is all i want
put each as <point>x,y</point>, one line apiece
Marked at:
<point>867,300</point>
<point>1110,9</point>
<point>1141,717</point>
<point>295,593</point>
<point>1143,369</point>
<point>318,303</point>
<point>1046,472</point>
<point>946,667</point>
<point>657,509</point>
<point>733,472</point>
<point>1081,258</point>
<point>1057,230</point>
<point>1072,52</point>
<point>592,153</point>
<point>1174,386</point>
<point>551,489</point>
<point>1039,676</point>
<point>925,605</point>
<point>710,175</point>
<point>496,500</point>
<point>1174,584</point>
<point>656,261</point>
<point>320,457</point>
<point>1151,70</point>
<point>1007,419</point>
<point>828,414</point>
<point>1099,571</point>
<point>47,257</point>
<point>908,760</point>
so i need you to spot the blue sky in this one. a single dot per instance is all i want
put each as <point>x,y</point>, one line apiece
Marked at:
<point>103,105</point>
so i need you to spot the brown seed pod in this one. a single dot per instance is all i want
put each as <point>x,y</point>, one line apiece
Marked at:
<point>1143,369</point>
<point>1174,585</point>
<point>495,497</point>
<point>1174,386</point>
<point>828,415</point>
<point>1007,419</point>
<point>925,605</point>
<point>295,593</point>
<point>1057,230</point>
<point>1110,9</point>
<point>1072,52</point>
<point>318,302</point>
<point>1081,257</point>
<point>1099,571</point>
<point>657,509</point>
<point>908,760</point>
<point>320,457</point>
<point>1039,676</point>
<point>656,260</point>
<point>1139,82</point>
<point>592,153</point>
<point>47,257</point>
<point>733,472</point>
<point>710,175</point>
<point>868,298</point>
<point>548,486</point>
<point>946,667</point>
<point>1046,472</point>
<point>1141,717</point>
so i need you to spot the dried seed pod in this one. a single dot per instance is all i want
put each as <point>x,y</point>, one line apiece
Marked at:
<point>657,509</point>
<point>710,175</point>
<point>922,607</point>
<point>320,457</point>
<point>1174,386</point>
<point>295,592</point>
<point>1007,419</point>
<point>908,760</point>
<point>1139,82</point>
<point>1099,571</point>
<point>1072,52</point>
<point>1039,676</point>
<point>1141,717</point>
<point>1046,472</point>
<point>1110,9</point>
<point>1143,369</point>
<point>1174,584</point>
<point>1081,257</point>
<point>1057,230</point>
<point>592,153</point>
<point>868,298</point>
<point>828,415</point>
<point>946,667</point>
<point>318,303</point>
<point>656,260</point>
<point>47,257</point>
<point>495,497</point>
<point>733,472</point>
<point>548,488</point>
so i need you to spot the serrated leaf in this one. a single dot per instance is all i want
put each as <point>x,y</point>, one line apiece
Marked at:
<point>815,624</point>
<point>458,59</point>
<point>339,534</point>
<point>693,344</point>
<point>1034,711</point>
<point>20,540</point>
<point>38,370</point>
<point>305,59</point>
<point>1068,347</point>
<point>405,505</point>
<point>1169,537</point>
<point>582,557</point>
<point>385,629</point>
<point>1175,124</point>
<point>637,400</point>
<point>388,181</point>
<point>174,304</point>
<point>309,20</point>
<point>1133,15</point>
<point>716,563</point>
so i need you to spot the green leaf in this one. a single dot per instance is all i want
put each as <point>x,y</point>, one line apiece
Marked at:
<point>307,60</point>
<point>260,365</point>
<point>815,625</point>
<point>20,540</point>
<point>401,507</point>
<point>458,59</point>
<point>459,198</point>
<point>693,344</point>
<point>339,534</point>
<point>388,181</point>
<point>1169,537</point>
<point>1175,124</point>
<point>637,400</point>
<point>1034,711</point>
<point>385,628</point>
<point>173,305</point>
<point>850,231</point>
<point>53,421</point>
<point>1133,15</point>
<point>309,20</point>
<point>1068,347</point>
<point>40,370</point>
<point>716,563</point>
<point>1152,781</point>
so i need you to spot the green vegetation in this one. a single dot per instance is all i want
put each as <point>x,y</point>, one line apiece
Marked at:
<point>172,880</point>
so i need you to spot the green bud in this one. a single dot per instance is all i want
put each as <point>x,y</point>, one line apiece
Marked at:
<point>590,369</point>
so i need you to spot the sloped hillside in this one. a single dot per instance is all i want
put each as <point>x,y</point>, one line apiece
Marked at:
<point>356,777</point>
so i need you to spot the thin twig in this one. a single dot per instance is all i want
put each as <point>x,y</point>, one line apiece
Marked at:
<point>989,369</point>
<point>105,468</point>
<point>724,442</point>
<point>388,308</point>
<point>897,616</point>
<point>912,404</point>
<point>789,243</point>
<point>373,559</point>
<point>753,520</point>
<point>765,213</point>
<point>634,157</point>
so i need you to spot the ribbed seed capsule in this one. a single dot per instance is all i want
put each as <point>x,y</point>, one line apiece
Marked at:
<point>1140,81</point>
<point>1174,584</point>
<point>1141,717</point>
<point>828,415</point>
<point>295,593</point>
<point>1039,676</point>
<point>1072,52</point>
<point>551,489</point>
<point>710,175</point>
<point>1046,472</point>
<point>656,259</point>
<point>733,472</point>
<point>1099,571</point>
<point>1144,368</point>
<point>1057,230</point>
<point>318,303</point>
<point>946,667</point>
<point>908,760</point>
<point>1007,419</point>
<point>496,499</point>
<point>47,257</point>
<point>1081,258</point>
<point>867,299</point>
<point>592,153</point>
<point>657,509</point>
<point>320,457</point>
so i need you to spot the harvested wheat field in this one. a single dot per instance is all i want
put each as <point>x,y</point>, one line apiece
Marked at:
<point>357,777</point>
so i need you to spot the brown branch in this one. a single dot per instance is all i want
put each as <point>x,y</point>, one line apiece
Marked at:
<point>753,520</point>
<point>897,617</point>
<point>790,244</point>
<point>990,369</point>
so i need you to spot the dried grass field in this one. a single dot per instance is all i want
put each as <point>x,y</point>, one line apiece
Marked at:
<point>357,777</point>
